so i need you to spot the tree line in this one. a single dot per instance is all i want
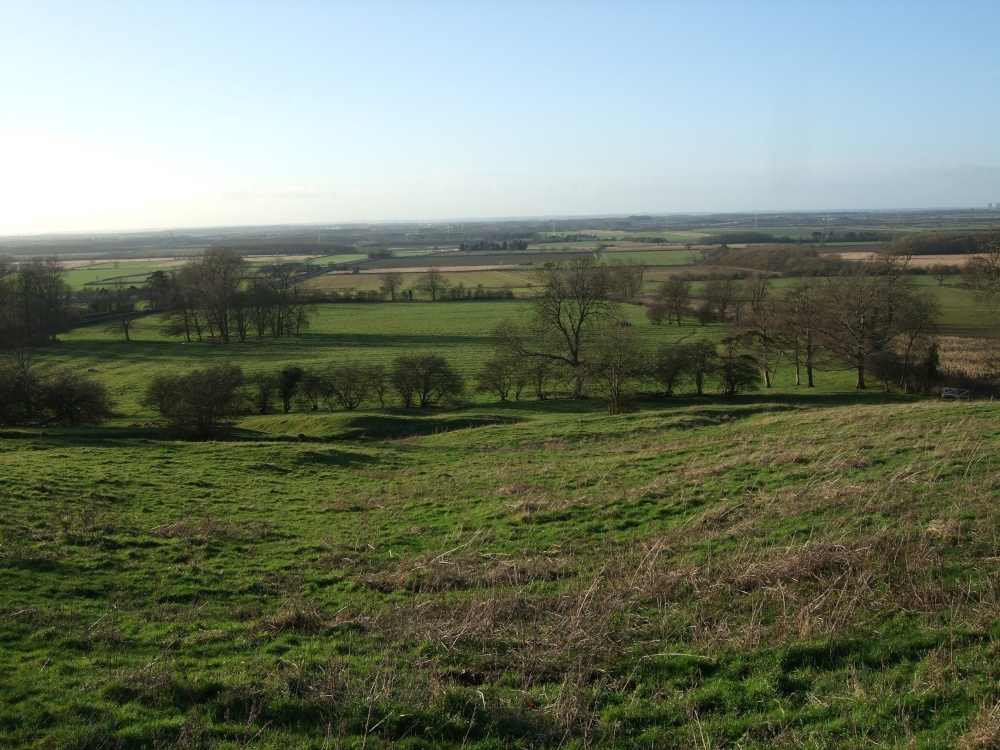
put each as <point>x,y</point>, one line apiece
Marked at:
<point>870,319</point>
<point>33,307</point>
<point>218,295</point>
<point>197,402</point>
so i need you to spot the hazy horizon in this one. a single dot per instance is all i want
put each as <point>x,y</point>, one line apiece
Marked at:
<point>124,118</point>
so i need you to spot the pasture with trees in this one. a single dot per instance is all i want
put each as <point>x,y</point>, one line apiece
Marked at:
<point>269,519</point>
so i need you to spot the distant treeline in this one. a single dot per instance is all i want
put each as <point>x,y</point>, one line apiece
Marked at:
<point>743,238</point>
<point>858,236</point>
<point>940,243</point>
<point>300,246</point>
<point>788,260</point>
<point>457,293</point>
<point>491,246</point>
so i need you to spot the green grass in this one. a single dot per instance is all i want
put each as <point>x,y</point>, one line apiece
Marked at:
<point>795,568</point>
<point>796,572</point>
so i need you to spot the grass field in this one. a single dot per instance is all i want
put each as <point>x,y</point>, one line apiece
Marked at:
<point>796,568</point>
<point>788,571</point>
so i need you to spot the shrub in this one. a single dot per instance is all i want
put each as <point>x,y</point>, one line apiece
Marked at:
<point>69,398</point>
<point>197,402</point>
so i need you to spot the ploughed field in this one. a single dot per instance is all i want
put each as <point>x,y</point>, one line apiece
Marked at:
<point>775,570</point>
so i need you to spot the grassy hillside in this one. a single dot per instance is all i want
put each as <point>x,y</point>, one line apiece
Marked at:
<point>772,573</point>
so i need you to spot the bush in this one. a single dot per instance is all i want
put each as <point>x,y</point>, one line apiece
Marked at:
<point>69,398</point>
<point>347,385</point>
<point>196,403</point>
<point>60,397</point>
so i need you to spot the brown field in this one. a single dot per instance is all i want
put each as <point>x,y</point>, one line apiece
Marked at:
<point>917,261</point>
<point>974,357</point>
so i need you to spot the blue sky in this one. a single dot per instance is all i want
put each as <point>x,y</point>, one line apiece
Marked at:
<point>142,115</point>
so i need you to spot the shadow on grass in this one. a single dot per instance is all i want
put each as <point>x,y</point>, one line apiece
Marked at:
<point>395,426</point>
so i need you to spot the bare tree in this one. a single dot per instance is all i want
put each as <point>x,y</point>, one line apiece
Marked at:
<point>799,321</point>
<point>425,379</point>
<point>123,306</point>
<point>675,293</point>
<point>758,338</point>
<point>196,403</point>
<point>572,299</point>
<point>983,271</point>
<point>215,277</point>
<point>392,283</point>
<point>625,279</point>
<point>432,282</point>
<point>862,311</point>
<point>621,360</point>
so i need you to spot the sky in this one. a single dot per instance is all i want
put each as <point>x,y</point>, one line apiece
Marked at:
<point>122,116</point>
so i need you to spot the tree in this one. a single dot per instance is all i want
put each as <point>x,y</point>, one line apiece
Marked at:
<point>702,362</point>
<point>799,320</point>
<point>572,299</point>
<point>288,384</point>
<point>263,388</point>
<point>348,384</point>
<point>19,385</point>
<point>625,279</point>
<point>758,338</point>
<point>432,282</point>
<point>722,297</point>
<point>675,294</point>
<point>71,399</point>
<point>32,303</point>
<point>425,379</point>
<point>982,272</point>
<point>861,311</point>
<point>669,366</point>
<point>158,286</point>
<point>214,279</point>
<point>392,283</point>
<point>502,375</point>
<point>122,305</point>
<point>57,397</point>
<point>198,402</point>
<point>918,315</point>
<point>738,372</point>
<point>620,361</point>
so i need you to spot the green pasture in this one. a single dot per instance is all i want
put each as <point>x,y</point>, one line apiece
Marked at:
<point>337,259</point>
<point>655,257</point>
<point>792,571</point>
<point>516,278</point>
<point>108,272</point>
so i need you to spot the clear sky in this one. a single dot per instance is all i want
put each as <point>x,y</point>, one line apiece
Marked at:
<point>169,114</point>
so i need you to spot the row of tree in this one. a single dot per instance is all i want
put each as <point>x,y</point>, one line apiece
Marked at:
<point>32,303</point>
<point>196,403</point>
<point>218,295</point>
<point>867,318</point>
